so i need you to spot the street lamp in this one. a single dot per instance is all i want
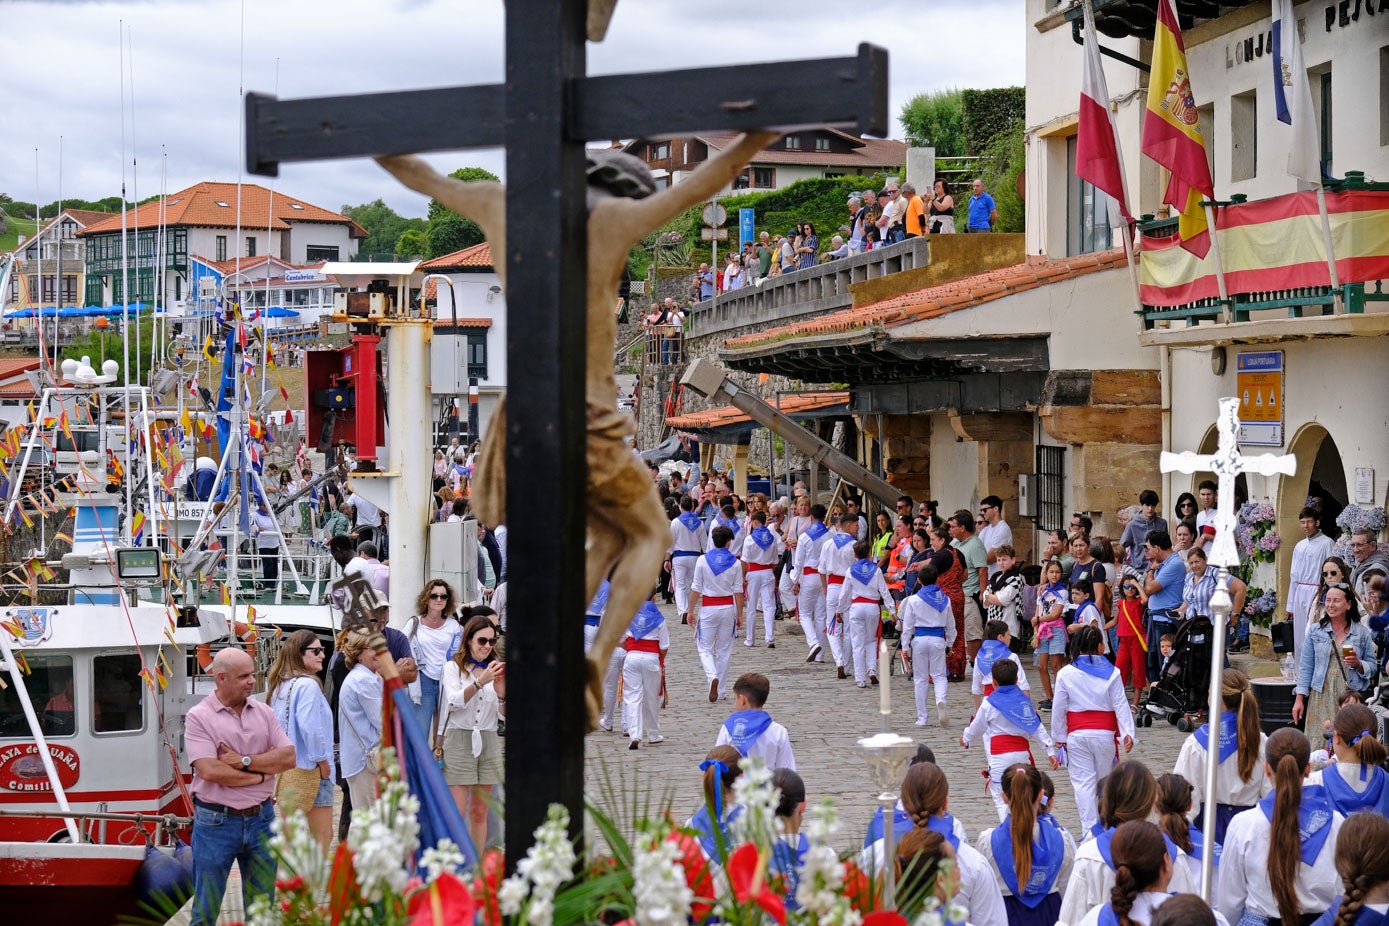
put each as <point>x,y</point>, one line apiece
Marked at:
<point>888,755</point>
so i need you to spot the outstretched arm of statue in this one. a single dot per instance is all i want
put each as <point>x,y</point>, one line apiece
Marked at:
<point>482,201</point>
<point>707,179</point>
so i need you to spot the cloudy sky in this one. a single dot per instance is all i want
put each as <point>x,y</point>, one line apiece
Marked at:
<point>61,69</point>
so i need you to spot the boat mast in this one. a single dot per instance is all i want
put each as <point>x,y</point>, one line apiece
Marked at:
<point>125,293</point>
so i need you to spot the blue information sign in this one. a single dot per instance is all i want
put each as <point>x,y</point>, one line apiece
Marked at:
<point>746,230</point>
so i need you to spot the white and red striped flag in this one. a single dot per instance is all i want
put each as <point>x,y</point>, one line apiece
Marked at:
<point>1097,142</point>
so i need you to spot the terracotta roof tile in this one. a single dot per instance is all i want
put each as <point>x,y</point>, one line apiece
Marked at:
<point>479,255</point>
<point>201,205</point>
<point>791,404</point>
<point>934,301</point>
<point>14,366</point>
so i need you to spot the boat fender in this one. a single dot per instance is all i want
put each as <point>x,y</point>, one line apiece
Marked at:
<point>164,881</point>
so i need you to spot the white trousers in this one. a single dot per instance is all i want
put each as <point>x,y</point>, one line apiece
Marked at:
<point>714,636</point>
<point>641,695</point>
<point>784,592</point>
<point>610,680</point>
<point>682,577</point>
<point>1090,755</point>
<point>928,665</point>
<point>590,634</point>
<point>760,595</point>
<point>998,764</point>
<point>864,620</point>
<point>810,611</point>
<point>834,630</point>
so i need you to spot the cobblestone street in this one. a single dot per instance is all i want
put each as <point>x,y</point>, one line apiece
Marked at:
<point>824,716</point>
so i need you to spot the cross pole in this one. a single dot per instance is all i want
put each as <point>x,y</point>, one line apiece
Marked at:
<point>544,113</point>
<point>1227,463</point>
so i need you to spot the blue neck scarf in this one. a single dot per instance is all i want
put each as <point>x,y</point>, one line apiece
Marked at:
<point>1314,817</point>
<point>816,530</point>
<point>786,861</point>
<point>763,537</point>
<point>731,523</point>
<point>1229,735</point>
<point>708,831</point>
<point>1048,854</point>
<point>720,560</point>
<point>744,727</point>
<point>841,539</point>
<point>991,652</point>
<point>901,825</point>
<point>1095,666</point>
<point>1346,799</point>
<point>1057,590</point>
<point>863,571</point>
<point>1366,916</point>
<point>1196,838</point>
<point>944,824</point>
<point>690,520</point>
<point>600,600</point>
<point>1014,704</point>
<point>1087,605</point>
<point>647,620</point>
<point>933,596</point>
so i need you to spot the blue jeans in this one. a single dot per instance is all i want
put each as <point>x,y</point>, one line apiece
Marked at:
<point>220,839</point>
<point>429,696</point>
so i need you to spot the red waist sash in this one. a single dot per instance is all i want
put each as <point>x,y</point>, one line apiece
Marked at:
<point>759,567</point>
<point>709,602</point>
<point>836,580</point>
<point>1001,743</point>
<point>810,571</point>
<point>1092,720</point>
<point>632,645</point>
<point>867,601</point>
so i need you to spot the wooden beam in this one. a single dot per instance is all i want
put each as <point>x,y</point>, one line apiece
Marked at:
<point>996,427</point>
<point>1108,424</point>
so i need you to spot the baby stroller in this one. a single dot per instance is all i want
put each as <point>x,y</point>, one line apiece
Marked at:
<point>1180,693</point>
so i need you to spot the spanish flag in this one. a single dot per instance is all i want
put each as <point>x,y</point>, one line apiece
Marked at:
<point>1170,135</point>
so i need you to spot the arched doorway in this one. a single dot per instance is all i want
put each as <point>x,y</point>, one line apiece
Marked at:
<point>1208,445</point>
<point>1320,472</point>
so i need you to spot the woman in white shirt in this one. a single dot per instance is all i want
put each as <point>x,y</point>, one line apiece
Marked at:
<point>1144,874</point>
<point>359,718</point>
<point>1030,852</point>
<point>1362,860</point>
<point>1356,780</point>
<point>435,635</point>
<point>473,690</point>
<point>1279,857</point>
<point>1239,779</point>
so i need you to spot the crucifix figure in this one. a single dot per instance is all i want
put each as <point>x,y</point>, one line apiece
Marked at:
<point>627,532</point>
<point>560,423</point>
<point>1227,463</point>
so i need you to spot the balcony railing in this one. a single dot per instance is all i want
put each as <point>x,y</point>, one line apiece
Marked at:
<point>664,344</point>
<point>804,293</point>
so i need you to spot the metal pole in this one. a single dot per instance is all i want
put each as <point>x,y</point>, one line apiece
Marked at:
<point>17,679</point>
<point>1220,613</point>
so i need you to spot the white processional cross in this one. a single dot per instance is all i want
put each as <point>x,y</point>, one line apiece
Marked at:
<point>1227,463</point>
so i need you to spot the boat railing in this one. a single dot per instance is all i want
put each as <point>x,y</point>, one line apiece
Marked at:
<point>164,826</point>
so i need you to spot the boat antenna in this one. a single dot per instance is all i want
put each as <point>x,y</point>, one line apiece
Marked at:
<point>135,192</point>
<point>265,316</point>
<point>58,256</point>
<point>125,283</point>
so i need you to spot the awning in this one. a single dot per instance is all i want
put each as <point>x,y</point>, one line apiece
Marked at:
<point>728,425</point>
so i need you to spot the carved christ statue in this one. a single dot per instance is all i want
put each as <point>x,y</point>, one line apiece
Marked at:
<point>627,528</point>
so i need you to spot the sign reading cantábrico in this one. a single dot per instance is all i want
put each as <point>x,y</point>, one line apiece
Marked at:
<point>21,768</point>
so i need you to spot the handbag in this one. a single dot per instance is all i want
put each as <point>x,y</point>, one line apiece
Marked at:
<point>1282,634</point>
<point>439,724</point>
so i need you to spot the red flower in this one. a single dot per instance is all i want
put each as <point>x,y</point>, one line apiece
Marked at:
<point>493,867</point>
<point>697,874</point>
<point>885,918</point>
<point>295,883</point>
<point>446,902</point>
<point>859,888</point>
<point>745,870</point>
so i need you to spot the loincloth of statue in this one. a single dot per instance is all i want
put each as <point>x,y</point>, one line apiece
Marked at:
<point>616,478</point>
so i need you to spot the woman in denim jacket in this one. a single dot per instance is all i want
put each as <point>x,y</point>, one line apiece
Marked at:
<point>1337,654</point>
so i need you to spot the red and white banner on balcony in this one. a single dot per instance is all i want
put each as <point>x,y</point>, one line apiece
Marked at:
<point>1271,245</point>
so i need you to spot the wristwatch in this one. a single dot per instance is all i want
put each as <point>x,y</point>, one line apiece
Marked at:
<point>246,762</point>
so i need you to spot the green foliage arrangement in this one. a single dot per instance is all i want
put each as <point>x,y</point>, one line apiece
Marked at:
<point>384,226</point>
<point>987,113</point>
<point>1003,159</point>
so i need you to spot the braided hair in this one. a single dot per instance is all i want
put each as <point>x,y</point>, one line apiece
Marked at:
<point>925,792</point>
<point>1362,860</point>
<point>1138,851</point>
<point>1174,800</point>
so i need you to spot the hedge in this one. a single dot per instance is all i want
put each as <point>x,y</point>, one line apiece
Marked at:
<point>988,113</point>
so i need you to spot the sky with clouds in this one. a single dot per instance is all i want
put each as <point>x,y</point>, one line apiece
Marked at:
<point>61,69</point>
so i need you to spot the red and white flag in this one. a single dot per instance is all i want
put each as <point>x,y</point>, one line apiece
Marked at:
<point>1097,143</point>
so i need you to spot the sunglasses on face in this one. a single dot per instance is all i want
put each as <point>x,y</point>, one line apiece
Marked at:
<point>436,596</point>
<point>485,641</point>
<point>1330,573</point>
<point>313,649</point>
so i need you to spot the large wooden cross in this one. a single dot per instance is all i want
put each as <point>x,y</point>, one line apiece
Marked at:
<point>544,113</point>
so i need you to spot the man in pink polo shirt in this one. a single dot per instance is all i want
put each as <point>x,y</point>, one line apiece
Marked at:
<point>236,748</point>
